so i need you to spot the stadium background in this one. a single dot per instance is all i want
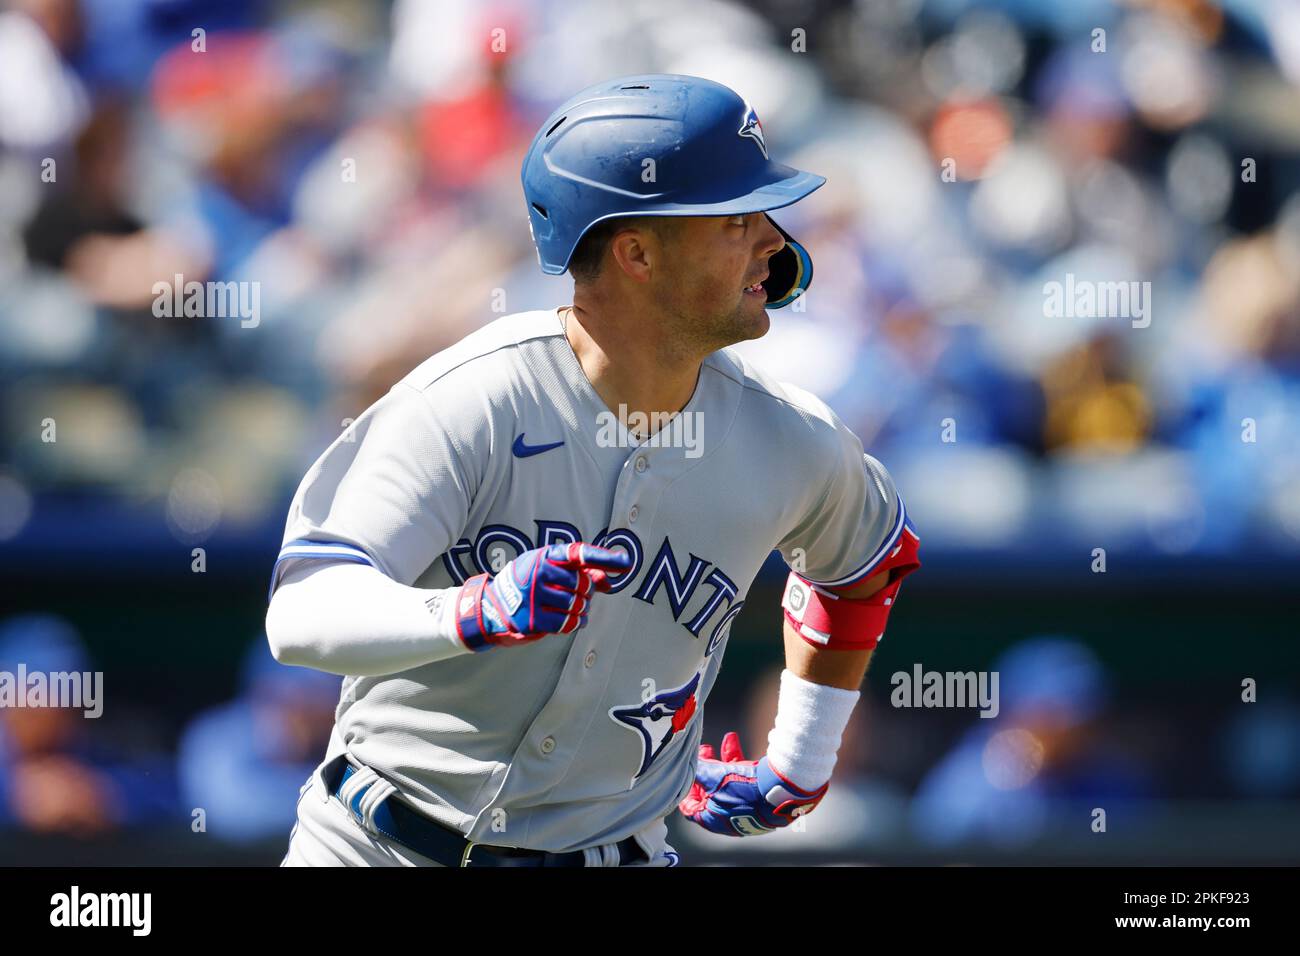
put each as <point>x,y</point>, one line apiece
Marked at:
<point>1169,158</point>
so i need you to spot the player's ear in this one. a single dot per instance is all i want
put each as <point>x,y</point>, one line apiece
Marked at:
<point>638,247</point>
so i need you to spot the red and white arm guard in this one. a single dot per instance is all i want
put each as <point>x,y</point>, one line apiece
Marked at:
<point>828,620</point>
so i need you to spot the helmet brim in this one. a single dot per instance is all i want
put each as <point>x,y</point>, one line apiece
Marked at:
<point>777,186</point>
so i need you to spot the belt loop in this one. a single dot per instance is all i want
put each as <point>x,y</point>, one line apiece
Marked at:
<point>375,794</point>
<point>353,788</point>
<point>607,854</point>
<point>322,780</point>
<point>362,793</point>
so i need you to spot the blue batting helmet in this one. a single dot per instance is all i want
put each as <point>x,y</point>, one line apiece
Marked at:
<point>658,145</point>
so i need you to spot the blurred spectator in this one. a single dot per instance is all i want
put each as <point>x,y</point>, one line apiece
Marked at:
<point>1261,749</point>
<point>244,762</point>
<point>84,225</point>
<point>57,774</point>
<point>1038,764</point>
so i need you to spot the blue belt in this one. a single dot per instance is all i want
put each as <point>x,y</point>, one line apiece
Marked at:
<point>413,830</point>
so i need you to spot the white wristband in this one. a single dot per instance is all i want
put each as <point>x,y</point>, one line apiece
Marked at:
<point>810,720</point>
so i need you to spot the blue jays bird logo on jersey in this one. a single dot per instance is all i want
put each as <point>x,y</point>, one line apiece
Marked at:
<point>658,720</point>
<point>751,128</point>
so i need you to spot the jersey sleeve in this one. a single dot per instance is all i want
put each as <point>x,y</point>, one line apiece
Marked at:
<point>393,491</point>
<point>857,527</point>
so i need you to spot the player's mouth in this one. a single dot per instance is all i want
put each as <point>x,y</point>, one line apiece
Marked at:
<point>757,288</point>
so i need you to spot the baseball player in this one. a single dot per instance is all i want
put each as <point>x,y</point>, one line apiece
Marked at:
<point>525,559</point>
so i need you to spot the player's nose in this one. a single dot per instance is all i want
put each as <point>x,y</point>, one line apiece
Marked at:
<point>770,240</point>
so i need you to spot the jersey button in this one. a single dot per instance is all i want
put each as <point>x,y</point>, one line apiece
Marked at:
<point>640,463</point>
<point>548,744</point>
<point>590,658</point>
<point>631,515</point>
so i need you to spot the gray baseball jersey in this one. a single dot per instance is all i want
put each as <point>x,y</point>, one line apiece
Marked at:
<point>500,444</point>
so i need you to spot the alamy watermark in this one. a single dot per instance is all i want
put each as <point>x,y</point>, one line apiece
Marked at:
<point>211,300</point>
<point>922,688</point>
<point>669,430</point>
<point>1085,299</point>
<point>76,909</point>
<point>76,689</point>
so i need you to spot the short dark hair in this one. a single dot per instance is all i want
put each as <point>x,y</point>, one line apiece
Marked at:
<point>584,264</point>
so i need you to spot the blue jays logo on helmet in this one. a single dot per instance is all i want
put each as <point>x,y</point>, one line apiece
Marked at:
<point>658,720</point>
<point>751,128</point>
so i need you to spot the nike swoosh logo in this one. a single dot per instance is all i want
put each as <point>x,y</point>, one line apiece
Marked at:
<point>526,451</point>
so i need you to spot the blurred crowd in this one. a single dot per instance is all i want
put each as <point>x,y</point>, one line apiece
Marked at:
<point>234,773</point>
<point>1056,747</point>
<point>359,163</point>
